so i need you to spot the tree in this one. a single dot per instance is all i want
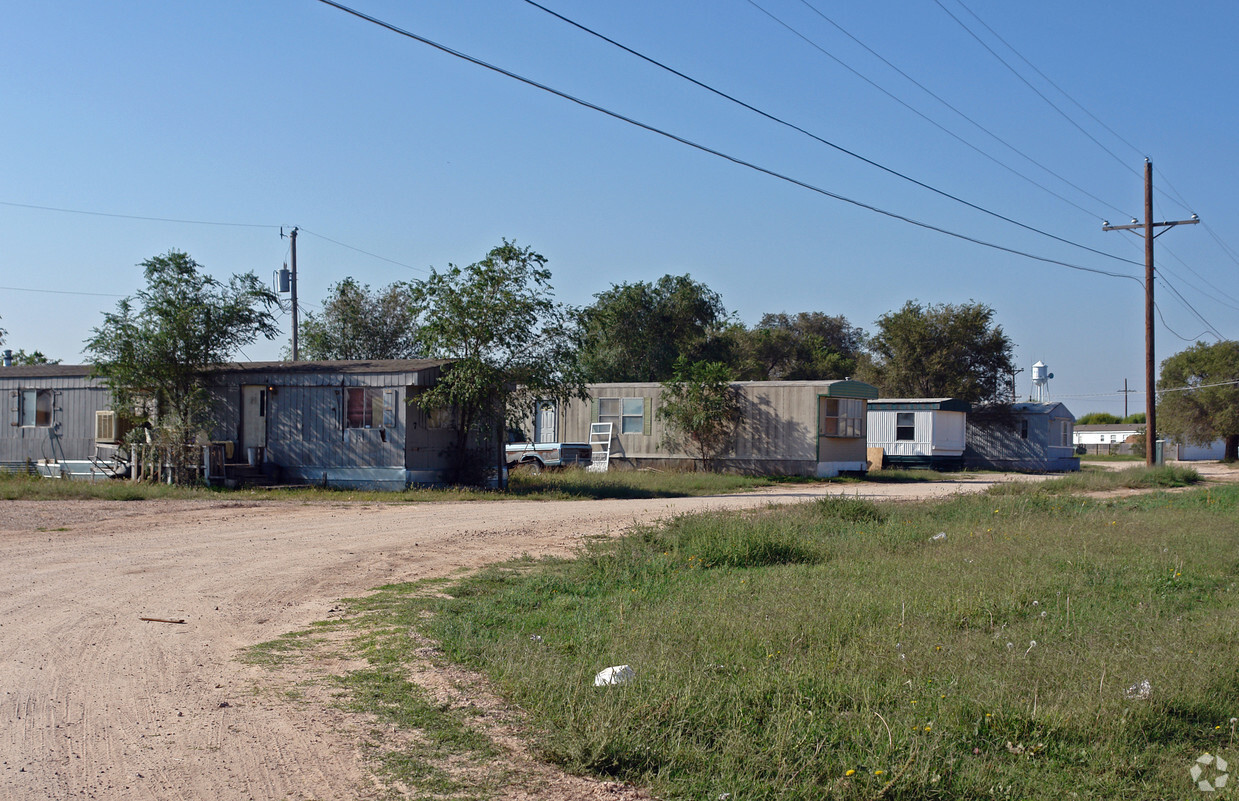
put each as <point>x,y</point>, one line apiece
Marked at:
<point>635,332</point>
<point>1098,419</point>
<point>153,350</point>
<point>943,350</point>
<point>1198,395</point>
<point>701,409</point>
<point>498,320</point>
<point>806,346</point>
<point>32,358</point>
<point>358,323</point>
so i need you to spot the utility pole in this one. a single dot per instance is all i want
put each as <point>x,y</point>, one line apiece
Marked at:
<point>1150,363</point>
<point>292,285</point>
<point>1014,372</point>
<point>1125,392</point>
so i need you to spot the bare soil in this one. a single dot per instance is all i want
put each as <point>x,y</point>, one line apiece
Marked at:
<point>98,703</point>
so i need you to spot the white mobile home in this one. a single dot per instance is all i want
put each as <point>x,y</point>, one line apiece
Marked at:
<point>919,432</point>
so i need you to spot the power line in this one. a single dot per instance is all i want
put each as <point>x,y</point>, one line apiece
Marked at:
<point>1176,197</point>
<point>60,292</point>
<point>820,139</point>
<point>1046,78</point>
<point>1037,91</point>
<point>943,128</point>
<point>197,222</point>
<point>1208,325</point>
<point>969,119</point>
<point>366,252</point>
<point>1216,290</point>
<point>704,149</point>
<point>134,216</point>
<point>1141,392</point>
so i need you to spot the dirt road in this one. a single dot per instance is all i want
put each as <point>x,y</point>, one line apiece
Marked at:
<point>101,704</point>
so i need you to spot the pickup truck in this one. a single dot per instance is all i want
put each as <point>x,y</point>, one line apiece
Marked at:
<point>534,457</point>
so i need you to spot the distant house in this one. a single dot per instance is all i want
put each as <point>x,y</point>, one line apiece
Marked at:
<point>1022,436</point>
<point>809,428</point>
<point>1108,438</point>
<point>919,432</point>
<point>338,423</point>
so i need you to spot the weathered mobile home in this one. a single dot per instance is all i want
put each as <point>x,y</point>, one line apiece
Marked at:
<point>919,432</point>
<point>810,428</point>
<point>58,414</point>
<point>1024,436</point>
<point>339,423</point>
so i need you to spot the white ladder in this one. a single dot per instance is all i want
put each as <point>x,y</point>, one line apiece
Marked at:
<point>599,447</point>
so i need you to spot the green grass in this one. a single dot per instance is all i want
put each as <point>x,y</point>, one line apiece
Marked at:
<point>1139,477</point>
<point>437,752</point>
<point>550,485</point>
<point>777,651</point>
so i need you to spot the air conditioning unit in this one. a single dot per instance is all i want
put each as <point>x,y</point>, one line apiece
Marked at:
<point>107,431</point>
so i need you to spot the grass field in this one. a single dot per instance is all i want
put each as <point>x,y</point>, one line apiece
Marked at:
<point>550,485</point>
<point>985,647</point>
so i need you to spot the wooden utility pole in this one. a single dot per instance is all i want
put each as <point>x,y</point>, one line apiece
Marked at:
<point>1125,392</point>
<point>292,238</point>
<point>1150,363</point>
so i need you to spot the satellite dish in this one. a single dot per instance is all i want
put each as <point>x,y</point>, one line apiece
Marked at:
<point>1051,375</point>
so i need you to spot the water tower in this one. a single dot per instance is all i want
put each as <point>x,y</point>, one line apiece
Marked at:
<point>1041,376</point>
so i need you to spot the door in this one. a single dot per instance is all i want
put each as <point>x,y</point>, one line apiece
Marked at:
<point>253,417</point>
<point>544,423</point>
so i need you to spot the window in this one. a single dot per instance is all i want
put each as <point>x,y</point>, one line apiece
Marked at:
<point>444,417</point>
<point>841,417</point>
<point>364,408</point>
<point>905,426</point>
<point>1023,429</point>
<point>1064,434</point>
<point>35,408</point>
<point>626,414</point>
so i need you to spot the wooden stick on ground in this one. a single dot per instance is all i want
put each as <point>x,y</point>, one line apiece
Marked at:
<point>160,620</point>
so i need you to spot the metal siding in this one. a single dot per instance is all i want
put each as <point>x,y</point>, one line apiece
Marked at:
<point>75,400</point>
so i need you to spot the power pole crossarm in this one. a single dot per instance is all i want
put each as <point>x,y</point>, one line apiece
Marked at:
<point>1150,363</point>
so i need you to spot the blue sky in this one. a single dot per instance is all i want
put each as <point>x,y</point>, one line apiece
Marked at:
<point>290,112</point>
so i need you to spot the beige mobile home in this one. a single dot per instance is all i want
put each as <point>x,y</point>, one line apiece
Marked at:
<point>808,428</point>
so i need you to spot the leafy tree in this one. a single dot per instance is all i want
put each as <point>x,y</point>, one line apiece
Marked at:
<point>701,409</point>
<point>359,323</point>
<point>1209,407</point>
<point>32,358</point>
<point>498,320</point>
<point>1139,419</point>
<point>153,350</point>
<point>1098,419</point>
<point>943,350</point>
<point>805,346</point>
<point>635,332</point>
